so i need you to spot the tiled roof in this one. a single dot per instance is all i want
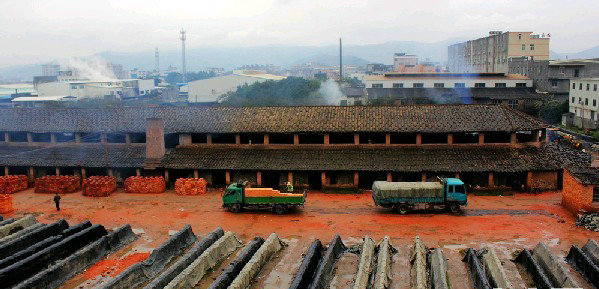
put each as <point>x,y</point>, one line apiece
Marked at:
<point>576,162</point>
<point>421,118</point>
<point>68,155</point>
<point>407,159</point>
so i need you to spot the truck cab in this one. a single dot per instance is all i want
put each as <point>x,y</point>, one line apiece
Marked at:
<point>455,191</point>
<point>233,194</point>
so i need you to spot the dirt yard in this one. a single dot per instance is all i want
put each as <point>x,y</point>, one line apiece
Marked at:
<point>505,223</point>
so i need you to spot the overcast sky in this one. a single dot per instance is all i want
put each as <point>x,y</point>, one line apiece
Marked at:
<point>34,31</point>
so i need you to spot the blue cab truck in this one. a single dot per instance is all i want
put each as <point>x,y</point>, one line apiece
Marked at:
<point>449,193</point>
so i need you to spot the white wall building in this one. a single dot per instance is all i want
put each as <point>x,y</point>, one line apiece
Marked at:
<point>83,89</point>
<point>446,80</point>
<point>208,90</point>
<point>584,102</point>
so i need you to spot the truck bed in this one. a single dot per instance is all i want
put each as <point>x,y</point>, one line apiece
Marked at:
<point>291,199</point>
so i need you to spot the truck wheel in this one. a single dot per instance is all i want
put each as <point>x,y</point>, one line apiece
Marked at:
<point>454,208</point>
<point>235,208</point>
<point>402,209</point>
<point>279,210</point>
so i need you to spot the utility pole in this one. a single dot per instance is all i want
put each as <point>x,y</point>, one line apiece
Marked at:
<point>157,56</point>
<point>183,37</point>
<point>340,59</point>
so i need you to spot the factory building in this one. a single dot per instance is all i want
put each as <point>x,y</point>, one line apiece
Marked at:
<point>326,148</point>
<point>84,89</point>
<point>210,89</point>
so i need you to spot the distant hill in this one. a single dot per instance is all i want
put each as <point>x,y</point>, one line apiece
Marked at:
<point>327,59</point>
<point>588,53</point>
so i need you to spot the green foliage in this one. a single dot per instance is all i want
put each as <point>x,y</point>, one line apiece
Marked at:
<point>288,91</point>
<point>382,101</point>
<point>595,135</point>
<point>175,77</point>
<point>551,110</point>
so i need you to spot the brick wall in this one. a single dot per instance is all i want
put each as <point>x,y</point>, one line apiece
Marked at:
<point>576,196</point>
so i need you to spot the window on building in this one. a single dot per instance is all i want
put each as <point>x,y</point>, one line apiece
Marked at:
<point>418,85</point>
<point>594,87</point>
<point>513,103</point>
<point>439,85</point>
<point>479,84</point>
<point>580,86</point>
<point>592,115</point>
<point>561,70</point>
<point>573,99</point>
<point>576,73</point>
<point>459,85</point>
<point>397,85</point>
<point>519,36</point>
<point>496,101</point>
<point>588,86</point>
<point>500,84</point>
<point>523,46</point>
<point>586,101</point>
<point>521,84</point>
<point>377,85</point>
<point>595,194</point>
<point>594,102</point>
<point>532,47</point>
<point>573,85</point>
<point>554,83</point>
<point>73,86</point>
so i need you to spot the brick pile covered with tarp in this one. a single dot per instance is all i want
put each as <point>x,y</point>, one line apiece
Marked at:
<point>99,186</point>
<point>145,185</point>
<point>13,183</point>
<point>190,186</point>
<point>57,184</point>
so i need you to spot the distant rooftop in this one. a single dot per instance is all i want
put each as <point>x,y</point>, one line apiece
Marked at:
<point>445,75</point>
<point>573,62</point>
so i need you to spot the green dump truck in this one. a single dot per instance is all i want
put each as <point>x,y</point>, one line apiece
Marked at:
<point>447,193</point>
<point>239,196</point>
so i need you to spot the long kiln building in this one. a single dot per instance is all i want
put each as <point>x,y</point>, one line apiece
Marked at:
<point>319,147</point>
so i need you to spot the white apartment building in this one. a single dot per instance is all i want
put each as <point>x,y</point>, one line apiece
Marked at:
<point>446,80</point>
<point>83,89</point>
<point>584,102</point>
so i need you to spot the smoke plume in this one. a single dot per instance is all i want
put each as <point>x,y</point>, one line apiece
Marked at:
<point>93,68</point>
<point>331,92</point>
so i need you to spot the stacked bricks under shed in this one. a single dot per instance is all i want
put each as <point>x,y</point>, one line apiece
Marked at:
<point>13,183</point>
<point>57,184</point>
<point>145,185</point>
<point>6,204</point>
<point>99,186</point>
<point>190,186</point>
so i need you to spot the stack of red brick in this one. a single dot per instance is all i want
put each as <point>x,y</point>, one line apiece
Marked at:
<point>5,203</point>
<point>57,184</point>
<point>99,186</point>
<point>190,187</point>
<point>12,184</point>
<point>145,185</point>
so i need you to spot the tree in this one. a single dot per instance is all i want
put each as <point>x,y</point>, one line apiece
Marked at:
<point>551,110</point>
<point>174,77</point>
<point>288,91</point>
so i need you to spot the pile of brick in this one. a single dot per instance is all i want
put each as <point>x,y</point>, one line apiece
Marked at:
<point>13,183</point>
<point>145,185</point>
<point>57,184</point>
<point>190,186</point>
<point>99,186</point>
<point>5,203</point>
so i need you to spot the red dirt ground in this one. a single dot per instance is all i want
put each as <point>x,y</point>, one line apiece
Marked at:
<point>114,266</point>
<point>487,218</point>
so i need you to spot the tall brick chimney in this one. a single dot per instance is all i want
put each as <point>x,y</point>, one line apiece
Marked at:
<point>154,142</point>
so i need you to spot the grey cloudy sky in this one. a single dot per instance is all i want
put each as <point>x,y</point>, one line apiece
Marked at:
<point>33,31</point>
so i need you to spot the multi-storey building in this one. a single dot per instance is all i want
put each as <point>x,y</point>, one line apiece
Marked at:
<point>50,69</point>
<point>492,53</point>
<point>584,103</point>
<point>315,147</point>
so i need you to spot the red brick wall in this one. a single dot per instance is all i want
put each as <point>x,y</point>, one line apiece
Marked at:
<point>576,196</point>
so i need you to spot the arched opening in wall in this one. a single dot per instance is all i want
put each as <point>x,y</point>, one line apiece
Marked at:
<point>472,180</point>
<point>524,136</point>
<point>280,138</point>
<point>340,178</point>
<point>115,138</point>
<point>408,177</point>
<point>179,174</point>
<point>365,179</point>
<point>218,179</point>
<point>311,138</point>
<point>17,136</point>
<point>251,138</point>
<point>90,137</point>
<point>96,172</point>
<point>434,138</point>
<point>65,137</point>
<point>341,138</point>
<point>465,138</point>
<point>121,174</point>
<point>223,138</point>
<point>314,180</point>
<point>44,171</point>
<point>137,137</point>
<point>373,138</point>
<point>273,179</point>
<point>17,171</point>
<point>514,181</point>
<point>199,138</point>
<point>403,138</point>
<point>171,140</point>
<point>40,137</point>
<point>432,176</point>
<point>497,137</point>
<point>152,173</point>
<point>244,176</point>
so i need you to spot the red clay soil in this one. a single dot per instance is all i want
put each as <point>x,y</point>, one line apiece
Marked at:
<point>114,266</point>
<point>532,217</point>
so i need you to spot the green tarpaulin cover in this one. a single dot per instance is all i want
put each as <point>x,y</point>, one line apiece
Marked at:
<point>384,190</point>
